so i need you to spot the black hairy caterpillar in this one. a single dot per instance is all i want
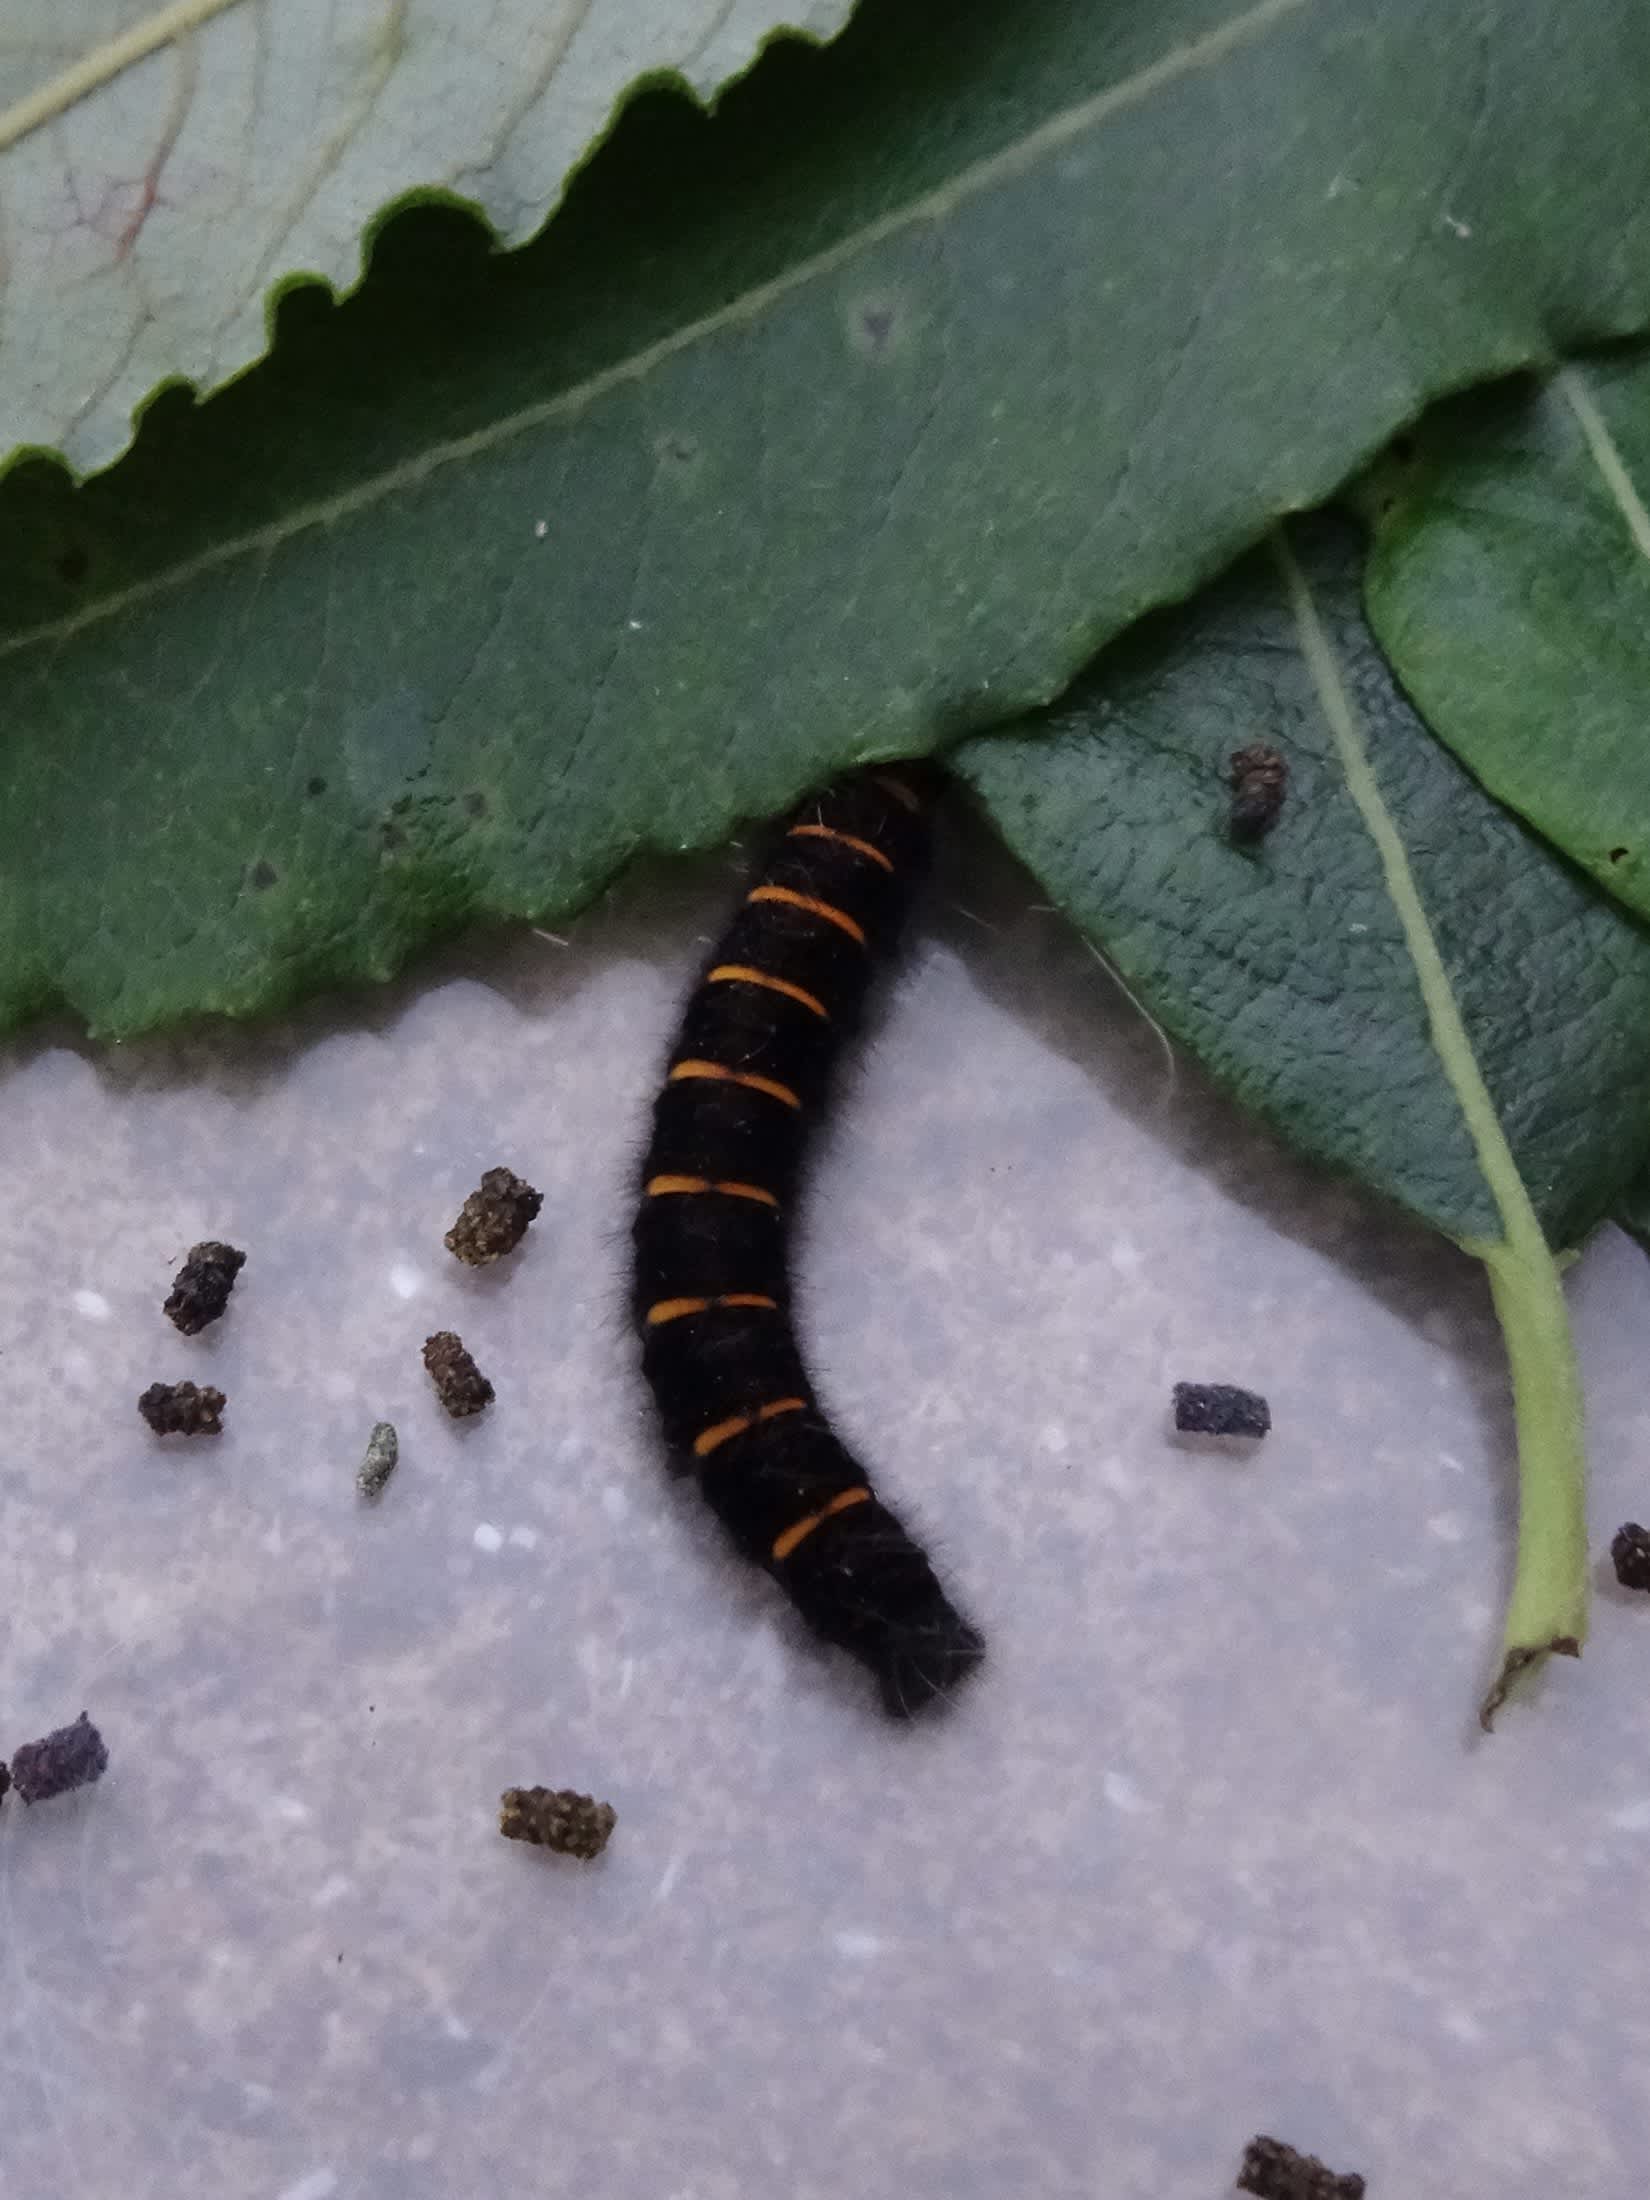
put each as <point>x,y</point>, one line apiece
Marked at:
<point>763,1029</point>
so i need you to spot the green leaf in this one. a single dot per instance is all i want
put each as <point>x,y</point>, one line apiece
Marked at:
<point>947,353</point>
<point>166,169</point>
<point>1401,979</point>
<point>1510,586</point>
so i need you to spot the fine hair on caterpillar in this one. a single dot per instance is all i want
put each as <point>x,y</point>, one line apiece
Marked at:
<point>755,1059</point>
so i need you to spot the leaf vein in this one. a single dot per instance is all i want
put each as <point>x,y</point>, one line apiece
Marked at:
<point>1606,455</point>
<point>65,90</point>
<point>1448,1029</point>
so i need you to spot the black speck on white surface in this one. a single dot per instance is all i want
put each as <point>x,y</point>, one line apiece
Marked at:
<point>1220,1409</point>
<point>69,1757</point>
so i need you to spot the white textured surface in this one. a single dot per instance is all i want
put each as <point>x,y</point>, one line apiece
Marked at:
<point>1212,1846</point>
<point>145,226</point>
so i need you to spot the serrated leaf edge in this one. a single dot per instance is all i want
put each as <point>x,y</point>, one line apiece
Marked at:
<point>935,205</point>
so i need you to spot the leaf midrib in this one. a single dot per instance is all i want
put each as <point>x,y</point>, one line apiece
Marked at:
<point>1605,453</point>
<point>1450,1040</point>
<point>1021,154</point>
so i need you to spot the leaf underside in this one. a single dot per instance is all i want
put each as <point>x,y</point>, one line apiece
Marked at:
<point>163,176</point>
<point>947,353</point>
<point>1284,968</point>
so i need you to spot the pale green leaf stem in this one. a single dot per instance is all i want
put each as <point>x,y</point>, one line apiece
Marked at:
<point>1548,1608</point>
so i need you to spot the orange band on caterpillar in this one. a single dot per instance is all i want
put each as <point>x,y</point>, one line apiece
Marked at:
<point>749,1078</point>
<point>658,1187</point>
<point>723,1432</point>
<point>674,1310</point>
<point>783,1545</point>
<point>843,840</point>
<point>813,907</point>
<point>743,974</point>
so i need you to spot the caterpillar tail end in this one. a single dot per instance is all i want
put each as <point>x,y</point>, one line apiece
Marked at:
<point>861,1582</point>
<point>927,1666</point>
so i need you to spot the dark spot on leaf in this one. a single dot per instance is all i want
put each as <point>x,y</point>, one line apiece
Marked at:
<point>262,875</point>
<point>475,803</point>
<point>679,456</point>
<point>317,785</point>
<point>391,837</point>
<point>73,564</point>
<point>1618,855</point>
<point>882,323</point>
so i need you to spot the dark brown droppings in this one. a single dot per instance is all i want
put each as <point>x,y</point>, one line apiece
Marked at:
<point>1259,779</point>
<point>1630,1555</point>
<point>1273,2171</point>
<point>1220,1409</point>
<point>72,1757</point>
<point>201,1289</point>
<point>180,1409</point>
<point>493,1220</point>
<point>556,1818</point>
<point>459,1383</point>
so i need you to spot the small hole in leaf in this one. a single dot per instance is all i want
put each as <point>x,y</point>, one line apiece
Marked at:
<point>1618,855</point>
<point>263,875</point>
<point>73,564</point>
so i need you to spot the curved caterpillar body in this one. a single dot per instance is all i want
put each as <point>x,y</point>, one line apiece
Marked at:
<point>762,1031</point>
